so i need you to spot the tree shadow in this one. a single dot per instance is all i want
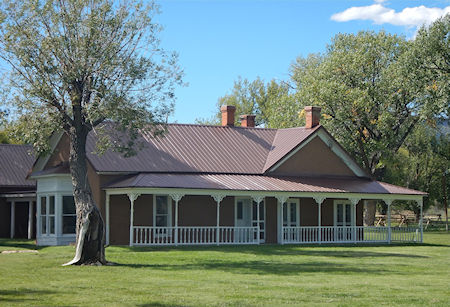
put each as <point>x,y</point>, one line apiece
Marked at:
<point>17,243</point>
<point>22,295</point>
<point>159,304</point>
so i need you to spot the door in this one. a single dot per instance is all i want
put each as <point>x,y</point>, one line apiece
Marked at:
<point>291,213</point>
<point>247,216</point>
<point>343,218</point>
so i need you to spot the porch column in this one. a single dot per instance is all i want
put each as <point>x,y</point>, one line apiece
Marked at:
<point>132,197</point>
<point>420,203</point>
<point>388,202</point>
<point>258,200</point>
<point>30,219</point>
<point>281,201</point>
<point>107,217</point>
<point>354,202</point>
<point>13,218</point>
<point>319,200</point>
<point>218,198</point>
<point>176,198</point>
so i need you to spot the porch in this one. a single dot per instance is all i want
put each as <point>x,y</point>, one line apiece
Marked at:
<point>208,218</point>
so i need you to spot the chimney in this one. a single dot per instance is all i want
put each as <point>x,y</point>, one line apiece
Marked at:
<point>227,115</point>
<point>312,116</point>
<point>248,120</point>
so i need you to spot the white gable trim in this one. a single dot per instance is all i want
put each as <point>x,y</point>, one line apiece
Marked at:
<point>42,160</point>
<point>333,145</point>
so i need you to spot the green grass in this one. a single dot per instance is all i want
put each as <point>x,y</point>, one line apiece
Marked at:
<point>364,275</point>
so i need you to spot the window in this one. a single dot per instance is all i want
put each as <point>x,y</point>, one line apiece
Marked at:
<point>47,215</point>
<point>162,211</point>
<point>291,213</point>
<point>343,215</point>
<point>69,216</point>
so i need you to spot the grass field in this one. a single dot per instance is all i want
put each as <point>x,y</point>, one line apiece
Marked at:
<point>269,275</point>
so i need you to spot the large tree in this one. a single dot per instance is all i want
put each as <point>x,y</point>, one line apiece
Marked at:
<point>81,65</point>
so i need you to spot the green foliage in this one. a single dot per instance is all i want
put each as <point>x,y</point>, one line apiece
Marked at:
<point>86,62</point>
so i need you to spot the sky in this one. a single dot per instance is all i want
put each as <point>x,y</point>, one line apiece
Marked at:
<point>220,40</point>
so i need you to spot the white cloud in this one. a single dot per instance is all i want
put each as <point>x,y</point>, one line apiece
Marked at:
<point>379,14</point>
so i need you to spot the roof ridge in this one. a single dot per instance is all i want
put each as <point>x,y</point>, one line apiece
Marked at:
<point>219,126</point>
<point>17,145</point>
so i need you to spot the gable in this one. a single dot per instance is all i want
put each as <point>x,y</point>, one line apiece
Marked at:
<point>60,153</point>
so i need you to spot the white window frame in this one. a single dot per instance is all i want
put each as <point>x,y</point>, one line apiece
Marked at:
<point>62,215</point>
<point>47,215</point>
<point>352,215</point>
<point>169,210</point>
<point>288,212</point>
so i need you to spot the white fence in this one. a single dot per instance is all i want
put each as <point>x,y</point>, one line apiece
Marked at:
<point>350,234</point>
<point>195,235</point>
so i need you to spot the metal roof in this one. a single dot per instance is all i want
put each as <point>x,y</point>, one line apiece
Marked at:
<point>261,183</point>
<point>15,163</point>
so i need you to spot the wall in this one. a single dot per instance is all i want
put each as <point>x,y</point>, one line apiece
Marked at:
<point>5,218</point>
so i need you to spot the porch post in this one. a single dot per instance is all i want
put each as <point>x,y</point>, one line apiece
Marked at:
<point>107,218</point>
<point>420,203</point>
<point>281,201</point>
<point>354,202</point>
<point>319,200</point>
<point>13,218</point>
<point>258,200</point>
<point>218,198</point>
<point>176,198</point>
<point>388,202</point>
<point>132,197</point>
<point>30,219</point>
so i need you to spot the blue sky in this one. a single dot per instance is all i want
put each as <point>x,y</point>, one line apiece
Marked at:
<point>219,40</point>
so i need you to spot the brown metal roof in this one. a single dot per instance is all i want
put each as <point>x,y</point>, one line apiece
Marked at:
<point>193,149</point>
<point>260,183</point>
<point>15,163</point>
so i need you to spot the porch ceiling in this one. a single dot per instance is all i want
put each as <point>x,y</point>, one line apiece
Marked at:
<point>260,183</point>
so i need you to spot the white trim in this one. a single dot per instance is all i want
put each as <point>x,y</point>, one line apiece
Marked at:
<point>107,196</point>
<point>169,210</point>
<point>13,219</point>
<point>352,212</point>
<point>333,145</point>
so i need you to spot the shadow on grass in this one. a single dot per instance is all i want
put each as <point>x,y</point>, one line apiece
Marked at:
<point>22,295</point>
<point>263,267</point>
<point>159,304</point>
<point>19,243</point>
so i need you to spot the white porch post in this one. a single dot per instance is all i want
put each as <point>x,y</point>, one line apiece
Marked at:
<point>388,202</point>
<point>30,219</point>
<point>258,200</point>
<point>281,201</point>
<point>132,197</point>
<point>176,198</point>
<point>319,200</point>
<point>107,217</point>
<point>420,203</point>
<point>354,202</point>
<point>218,198</point>
<point>13,218</point>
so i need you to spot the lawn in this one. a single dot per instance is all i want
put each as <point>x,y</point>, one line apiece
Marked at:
<point>368,275</point>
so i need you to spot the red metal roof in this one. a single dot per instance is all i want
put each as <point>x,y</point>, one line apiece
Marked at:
<point>260,183</point>
<point>15,163</point>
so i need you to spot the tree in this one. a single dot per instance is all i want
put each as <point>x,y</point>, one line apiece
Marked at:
<point>366,103</point>
<point>84,65</point>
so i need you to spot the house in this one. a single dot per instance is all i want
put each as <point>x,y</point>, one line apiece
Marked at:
<point>17,195</point>
<point>203,184</point>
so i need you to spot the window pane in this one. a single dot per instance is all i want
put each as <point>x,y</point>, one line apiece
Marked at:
<point>255,211</point>
<point>261,225</point>
<point>43,205</point>
<point>261,211</point>
<point>51,205</point>
<point>285,213</point>
<point>293,212</point>
<point>161,204</point>
<point>69,224</point>
<point>348,214</point>
<point>51,226</point>
<point>239,210</point>
<point>43,224</point>
<point>339,213</point>
<point>161,220</point>
<point>68,205</point>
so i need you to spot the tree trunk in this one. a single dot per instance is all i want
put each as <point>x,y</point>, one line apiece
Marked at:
<point>370,209</point>
<point>90,227</point>
<point>445,199</point>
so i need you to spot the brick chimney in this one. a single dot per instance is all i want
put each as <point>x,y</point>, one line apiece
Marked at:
<point>312,116</point>
<point>248,120</point>
<point>227,115</point>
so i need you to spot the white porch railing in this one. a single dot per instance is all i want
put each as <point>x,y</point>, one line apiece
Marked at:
<point>350,234</point>
<point>194,235</point>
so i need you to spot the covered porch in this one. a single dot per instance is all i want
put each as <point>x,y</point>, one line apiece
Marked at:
<point>233,217</point>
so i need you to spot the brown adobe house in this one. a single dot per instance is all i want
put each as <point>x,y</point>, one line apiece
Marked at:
<point>17,195</point>
<point>203,184</point>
